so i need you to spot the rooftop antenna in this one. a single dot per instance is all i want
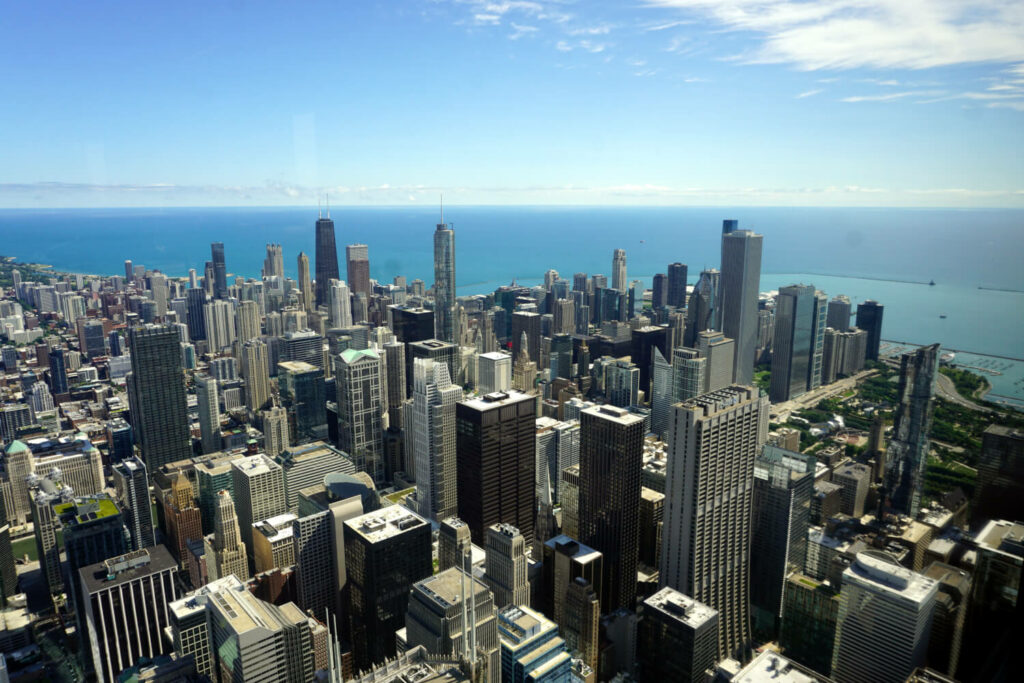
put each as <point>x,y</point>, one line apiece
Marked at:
<point>319,207</point>
<point>328,199</point>
<point>442,208</point>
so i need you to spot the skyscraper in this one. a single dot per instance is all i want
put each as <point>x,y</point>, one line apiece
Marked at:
<point>209,413</point>
<point>799,341</point>
<point>326,257</point>
<point>907,454</point>
<point>677,638</point>
<point>720,352</point>
<point>156,394</point>
<point>885,615</point>
<point>677,285</point>
<point>703,306</point>
<point>305,283</point>
<point>219,320</point>
<point>126,602</point>
<point>659,291</point>
<point>531,649</point>
<point>611,457</point>
<point>220,273</point>
<point>444,284</point>
<point>258,485</point>
<point>386,552</point>
<point>506,566</point>
<point>433,439</point>
<point>839,313</point>
<point>303,393</point>
<point>58,372</point>
<point>132,486</point>
<point>256,372</point>
<point>496,451</point>
<point>688,368</point>
<point>619,270</point>
<point>362,404</point>
<point>494,372</point>
<point>869,319</point>
<point>247,320</point>
<point>714,440</point>
<point>357,258</point>
<point>1000,475</point>
<point>339,304</point>
<point>644,340</point>
<point>273,264</point>
<point>741,277</point>
<point>783,485</point>
<point>225,551</point>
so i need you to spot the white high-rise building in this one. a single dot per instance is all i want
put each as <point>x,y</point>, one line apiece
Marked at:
<point>714,440</point>
<point>219,316</point>
<point>248,320</point>
<point>619,270</point>
<point>885,618</point>
<point>209,413</point>
<point>494,372</point>
<point>339,304</point>
<point>433,438</point>
<point>224,551</point>
<point>740,280</point>
<point>258,491</point>
<point>361,382</point>
<point>506,567</point>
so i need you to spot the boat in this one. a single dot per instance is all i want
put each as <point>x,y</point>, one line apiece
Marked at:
<point>931,283</point>
<point>942,315</point>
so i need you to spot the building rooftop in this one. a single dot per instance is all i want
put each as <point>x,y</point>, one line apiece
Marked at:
<point>446,588</point>
<point>581,553</point>
<point>254,465</point>
<point>680,607</point>
<point>774,668</point>
<point>496,355</point>
<point>884,573</point>
<point>278,528</point>
<point>497,399</point>
<point>349,356</point>
<point>297,367</point>
<point>125,568</point>
<point>85,510</point>
<point>518,624</point>
<point>196,600</point>
<point>1003,536</point>
<point>385,523</point>
<point>613,414</point>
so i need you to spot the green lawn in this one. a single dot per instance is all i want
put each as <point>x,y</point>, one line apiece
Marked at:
<point>25,546</point>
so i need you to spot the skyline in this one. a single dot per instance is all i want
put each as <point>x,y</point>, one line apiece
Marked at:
<point>665,102</point>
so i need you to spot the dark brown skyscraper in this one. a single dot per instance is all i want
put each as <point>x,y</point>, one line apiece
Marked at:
<point>326,257</point>
<point>357,257</point>
<point>677,285</point>
<point>496,454</point>
<point>869,318</point>
<point>611,457</point>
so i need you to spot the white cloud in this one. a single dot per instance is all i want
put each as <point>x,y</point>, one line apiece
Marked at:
<point>887,97</point>
<point>590,31</point>
<point>487,18</point>
<point>846,34</point>
<point>520,30</point>
<point>591,46</point>
<point>808,93</point>
<point>563,46</point>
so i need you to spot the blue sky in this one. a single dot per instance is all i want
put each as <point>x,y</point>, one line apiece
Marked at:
<point>668,102</point>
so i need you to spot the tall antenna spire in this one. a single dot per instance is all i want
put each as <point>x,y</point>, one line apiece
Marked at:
<point>328,198</point>
<point>319,207</point>
<point>442,208</point>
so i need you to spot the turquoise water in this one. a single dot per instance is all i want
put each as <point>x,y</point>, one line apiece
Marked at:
<point>869,252</point>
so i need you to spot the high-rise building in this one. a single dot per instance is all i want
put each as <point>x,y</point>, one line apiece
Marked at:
<point>433,445</point>
<point>564,561</point>
<point>8,572</point>
<point>195,300</point>
<point>839,313</point>
<point>611,457</point>
<point>506,566</point>
<point>531,649</point>
<point>799,342</point>
<point>677,638</point>
<point>677,285</point>
<point>809,613</point>
<point>58,372</point>
<point>496,451</point>
<point>843,354</point>
<point>357,258</point>
<point>386,552</point>
<point>783,486</point>
<point>253,640</point>
<point>885,619</point>
<point>494,372</point>
<point>434,350</point>
<point>220,273</point>
<point>561,357</point>
<point>306,284</point>
<point>714,440</point>
<point>339,304</point>
<point>273,264</point>
<point>1000,475</point>
<point>209,413</point>
<point>622,383</point>
<point>740,279</point>
<point>453,614</point>
<point>258,492</point>
<point>444,284</point>
<point>855,478</point>
<point>951,602</point>
<point>303,393</point>
<point>326,257</point>
<point>156,395</point>
<point>276,431</point>
<point>453,540</point>
<point>659,291</point>
<point>256,372</point>
<point>581,626</point>
<point>702,309</point>
<point>688,375</point>
<point>526,325</point>
<point>720,352</point>
<point>362,405</point>
<point>869,319</point>
<point>189,626</point>
<point>907,453</point>
<point>303,345</point>
<point>644,341</point>
<point>126,602</point>
<point>225,552</point>
<point>619,270</point>
<point>558,447</point>
<point>661,393</point>
<point>132,486</point>
<point>273,543</point>
<point>247,320</point>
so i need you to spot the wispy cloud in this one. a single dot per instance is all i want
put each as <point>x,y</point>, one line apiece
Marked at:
<point>808,93</point>
<point>846,34</point>
<point>887,97</point>
<point>520,30</point>
<point>590,31</point>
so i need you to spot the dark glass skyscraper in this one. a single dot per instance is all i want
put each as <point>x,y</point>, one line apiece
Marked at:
<point>132,487</point>
<point>220,272</point>
<point>908,447</point>
<point>677,285</point>
<point>58,372</point>
<point>326,257</point>
<point>195,300</point>
<point>156,394</point>
<point>444,283</point>
<point>611,458</point>
<point>869,318</point>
